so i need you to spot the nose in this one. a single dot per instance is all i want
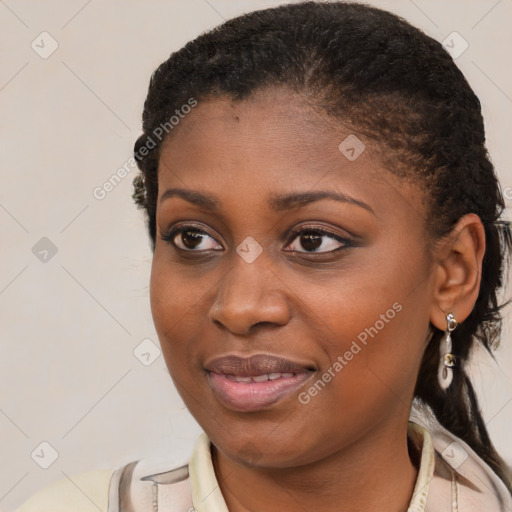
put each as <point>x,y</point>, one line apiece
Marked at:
<point>249,295</point>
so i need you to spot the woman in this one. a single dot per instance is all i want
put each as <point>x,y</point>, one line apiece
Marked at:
<point>328,250</point>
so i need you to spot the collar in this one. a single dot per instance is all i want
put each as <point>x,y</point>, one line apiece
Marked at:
<point>207,497</point>
<point>206,494</point>
<point>420,438</point>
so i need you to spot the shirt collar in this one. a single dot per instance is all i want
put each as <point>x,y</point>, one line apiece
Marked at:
<point>420,438</point>
<point>207,496</point>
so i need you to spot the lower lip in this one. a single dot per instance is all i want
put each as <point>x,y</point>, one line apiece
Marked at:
<point>252,396</point>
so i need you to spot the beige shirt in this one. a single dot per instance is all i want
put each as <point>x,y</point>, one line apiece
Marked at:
<point>451,478</point>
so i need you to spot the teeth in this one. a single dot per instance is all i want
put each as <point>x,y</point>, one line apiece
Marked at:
<point>234,378</point>
<point>242,379</point>
<point>260,378</point>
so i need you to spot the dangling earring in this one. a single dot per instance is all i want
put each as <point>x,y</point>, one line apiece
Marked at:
<point>448,360</point>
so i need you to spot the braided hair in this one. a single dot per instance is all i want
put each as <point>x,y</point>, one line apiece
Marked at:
<point>398,87</point>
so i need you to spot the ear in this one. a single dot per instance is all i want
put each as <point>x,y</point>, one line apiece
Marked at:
<point>457,271</point>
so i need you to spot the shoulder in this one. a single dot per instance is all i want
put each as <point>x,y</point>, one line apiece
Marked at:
<point>134,486</point>
<point>459,475</point>
<point>82,492</point>
<point>474,484</point>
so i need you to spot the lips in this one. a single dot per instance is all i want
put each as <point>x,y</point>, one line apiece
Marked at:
<point>258,364</point>
<point>256,382</point>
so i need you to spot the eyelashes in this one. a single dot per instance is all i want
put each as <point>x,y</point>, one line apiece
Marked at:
<point>193,235</point>
<point>312,235</point>
<point>313,239</point>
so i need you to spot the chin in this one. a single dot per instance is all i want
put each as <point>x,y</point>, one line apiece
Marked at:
<point>258,451</point>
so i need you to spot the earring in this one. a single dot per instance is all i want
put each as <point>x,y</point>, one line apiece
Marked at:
<point>447,360</point>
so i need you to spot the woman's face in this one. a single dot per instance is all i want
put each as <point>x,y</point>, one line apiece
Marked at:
<point>293,307</point>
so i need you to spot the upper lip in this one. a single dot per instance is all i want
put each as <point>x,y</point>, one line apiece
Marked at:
<point>258,364</point>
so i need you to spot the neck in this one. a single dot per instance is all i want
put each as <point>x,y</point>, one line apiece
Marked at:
<point>376,473</point>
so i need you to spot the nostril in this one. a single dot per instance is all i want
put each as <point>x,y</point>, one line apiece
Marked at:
<point>262,324</point>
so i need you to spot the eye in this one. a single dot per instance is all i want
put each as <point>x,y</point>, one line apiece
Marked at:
<point>317,240</point>
<point>309,240</point>
<point>191,239</point>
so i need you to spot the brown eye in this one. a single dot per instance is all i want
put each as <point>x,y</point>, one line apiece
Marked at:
<point>317,241</point>
<point>191,239</point>
<point>310,241</point>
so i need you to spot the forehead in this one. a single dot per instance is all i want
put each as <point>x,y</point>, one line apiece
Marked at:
<point>277,126</point>
<point>275,140</point>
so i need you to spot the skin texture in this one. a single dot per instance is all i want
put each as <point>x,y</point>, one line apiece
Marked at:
<point>347,448</point>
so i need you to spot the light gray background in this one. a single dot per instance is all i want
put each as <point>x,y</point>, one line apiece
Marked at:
<point>70,325</point>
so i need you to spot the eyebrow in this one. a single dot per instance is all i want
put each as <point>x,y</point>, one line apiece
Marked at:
<point>278,203</point>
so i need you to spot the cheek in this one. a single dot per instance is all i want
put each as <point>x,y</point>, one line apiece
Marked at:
<point>372,326</point>
<point>163,298</point>
<point>175,305</point>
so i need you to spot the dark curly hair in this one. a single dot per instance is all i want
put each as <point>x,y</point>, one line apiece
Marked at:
<point>391,83</point>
